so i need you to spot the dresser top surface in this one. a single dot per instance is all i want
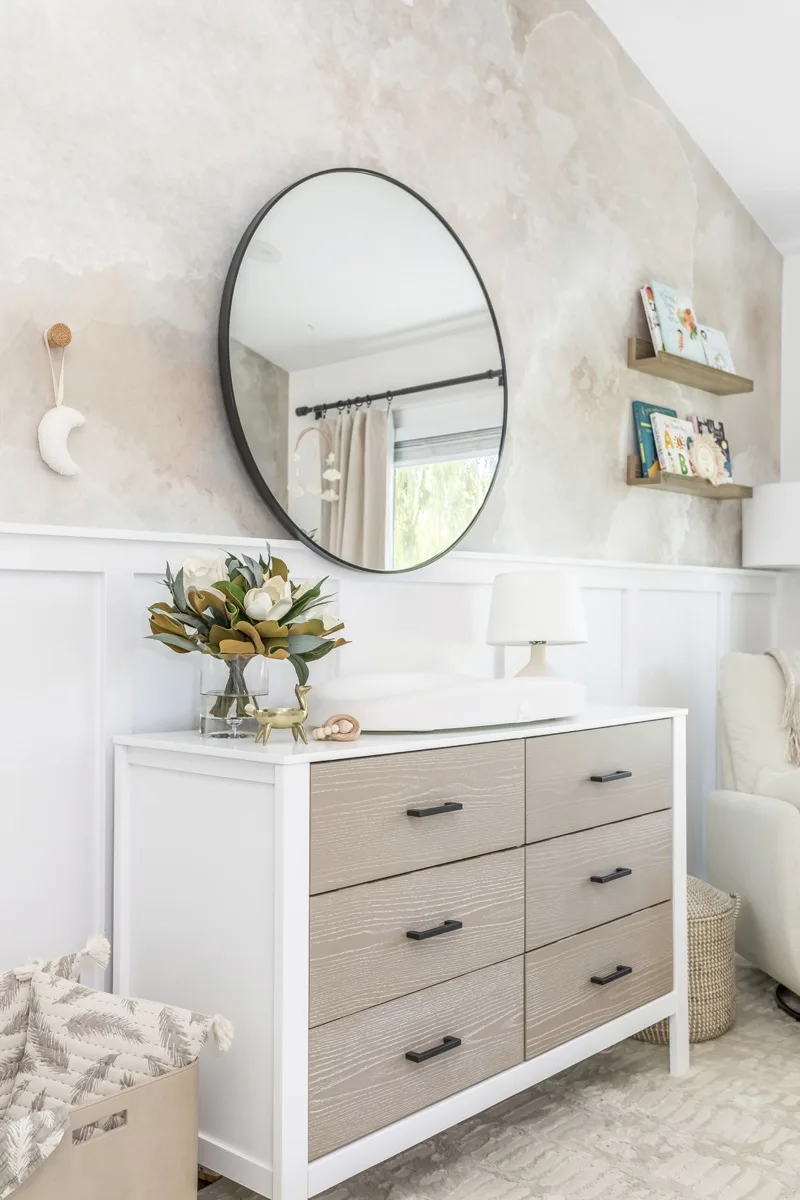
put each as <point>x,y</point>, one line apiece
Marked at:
<point>282,751</point>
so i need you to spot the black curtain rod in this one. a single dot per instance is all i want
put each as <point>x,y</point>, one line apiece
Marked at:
<point>359,401</point>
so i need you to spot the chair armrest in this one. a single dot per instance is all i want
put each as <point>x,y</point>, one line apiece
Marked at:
<point>754,850</point>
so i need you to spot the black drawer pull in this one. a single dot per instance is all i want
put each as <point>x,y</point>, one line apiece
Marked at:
<point>450,806</point>
<point>618,974</point>
<point>448,1043</point>
<point>620,873</point>
<point>612,778</point>
<point>422,935</point>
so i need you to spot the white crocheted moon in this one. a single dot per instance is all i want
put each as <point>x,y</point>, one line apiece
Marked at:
<point>54,430</point>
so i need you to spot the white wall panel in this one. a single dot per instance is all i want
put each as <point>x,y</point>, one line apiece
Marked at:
<point>81,669</point>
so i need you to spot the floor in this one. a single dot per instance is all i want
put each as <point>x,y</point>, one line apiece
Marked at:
<point>618,1128</point>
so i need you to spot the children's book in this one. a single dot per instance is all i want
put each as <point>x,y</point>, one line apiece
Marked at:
<point>652,317</point>
<point>673,438</point>
<point>716,349</point>
<point>717,431</point>
<point>678,323</point>
<point>644,434</point>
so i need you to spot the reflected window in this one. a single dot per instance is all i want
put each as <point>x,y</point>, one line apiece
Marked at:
<point>439,486</point>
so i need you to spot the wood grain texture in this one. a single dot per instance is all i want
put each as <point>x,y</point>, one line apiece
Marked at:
<point>560,898</point>
<point>360,1079</point>
<point>642,357</point>
<point>560,795</point>
<point>361,956</point>
<point>561,1002</point>
<point>669,481</point>
<point>360,829</point>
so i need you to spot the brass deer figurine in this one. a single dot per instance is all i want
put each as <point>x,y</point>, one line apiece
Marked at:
<point>282,718</point>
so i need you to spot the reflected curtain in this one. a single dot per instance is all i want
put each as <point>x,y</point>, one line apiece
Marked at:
<point>354,526</point>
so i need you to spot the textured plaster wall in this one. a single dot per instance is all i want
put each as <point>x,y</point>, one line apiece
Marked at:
<point>262,401</point>
<point>138,140</point>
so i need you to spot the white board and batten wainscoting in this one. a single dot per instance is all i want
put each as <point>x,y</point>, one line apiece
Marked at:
<point>76,670</point>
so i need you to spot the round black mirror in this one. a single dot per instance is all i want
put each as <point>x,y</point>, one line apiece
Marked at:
<point>363,371</point>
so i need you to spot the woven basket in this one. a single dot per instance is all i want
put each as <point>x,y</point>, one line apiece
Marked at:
<point>712,981</point>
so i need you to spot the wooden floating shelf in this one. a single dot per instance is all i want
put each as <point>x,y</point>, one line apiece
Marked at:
<point>642,357</point>
<point>688,485</point>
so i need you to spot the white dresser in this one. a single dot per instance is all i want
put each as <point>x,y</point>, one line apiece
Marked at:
<point>404,930</point>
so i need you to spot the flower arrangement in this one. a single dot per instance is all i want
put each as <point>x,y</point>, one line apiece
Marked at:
<point>235,607</point>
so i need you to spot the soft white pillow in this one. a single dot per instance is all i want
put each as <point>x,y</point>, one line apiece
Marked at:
<point>84,1045</point>
<point>781,785</point>
<point>15,995</point>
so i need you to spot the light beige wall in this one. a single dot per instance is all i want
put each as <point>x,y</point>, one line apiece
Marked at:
<point>139,139</point>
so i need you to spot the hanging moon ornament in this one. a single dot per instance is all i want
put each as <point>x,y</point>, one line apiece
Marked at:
<point>57,424</point>
<point>54,430</point>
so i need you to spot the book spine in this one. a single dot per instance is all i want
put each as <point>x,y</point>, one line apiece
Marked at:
<point>652,319</point>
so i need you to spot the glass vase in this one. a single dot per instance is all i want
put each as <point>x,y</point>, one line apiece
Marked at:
<point>227,686</point>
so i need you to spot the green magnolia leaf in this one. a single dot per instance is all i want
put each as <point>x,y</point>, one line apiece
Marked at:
<point>178,591</point>
<point>162,623</point>
<point>250,631</point>
<point>246,575</point>
<point>172,639</point>
<point>240,581</point>
<point>233,591</point>
<point>272,629</point>
<point>300,667</point>
<point>201,623</point>
<point>256,570</point>
<point>278,567</point>
<point>320,652</point>
<point>302,643</point>
<point>314,626</point>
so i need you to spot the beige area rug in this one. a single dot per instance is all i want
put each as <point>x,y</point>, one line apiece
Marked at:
<point>618,1128</point>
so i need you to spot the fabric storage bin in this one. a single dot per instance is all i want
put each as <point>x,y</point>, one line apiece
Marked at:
<point>150,1155</point>
<point>712,978</point>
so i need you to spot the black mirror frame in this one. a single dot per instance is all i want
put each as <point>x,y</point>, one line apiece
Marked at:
<point>229,397</point>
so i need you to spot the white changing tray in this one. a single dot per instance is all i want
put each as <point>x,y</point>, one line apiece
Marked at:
<point>424,703</point>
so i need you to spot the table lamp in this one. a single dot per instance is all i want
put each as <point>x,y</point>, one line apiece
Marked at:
<point>540,608</point>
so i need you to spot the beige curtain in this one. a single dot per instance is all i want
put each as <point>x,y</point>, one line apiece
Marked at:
<point>354,526</point>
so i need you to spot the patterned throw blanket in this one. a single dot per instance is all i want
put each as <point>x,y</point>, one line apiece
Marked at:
<point>789,664</point>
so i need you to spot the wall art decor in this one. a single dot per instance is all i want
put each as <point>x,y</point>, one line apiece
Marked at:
<point>59,421</point>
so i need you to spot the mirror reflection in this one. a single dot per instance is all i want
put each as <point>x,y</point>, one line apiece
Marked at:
<point>366,372</point>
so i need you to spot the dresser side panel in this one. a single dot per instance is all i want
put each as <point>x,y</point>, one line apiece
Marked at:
<point>194,859</point>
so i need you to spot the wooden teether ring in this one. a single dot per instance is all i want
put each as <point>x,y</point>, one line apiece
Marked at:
<point>343,737</point>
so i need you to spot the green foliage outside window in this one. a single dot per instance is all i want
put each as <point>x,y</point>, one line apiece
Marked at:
<point>434,503</point>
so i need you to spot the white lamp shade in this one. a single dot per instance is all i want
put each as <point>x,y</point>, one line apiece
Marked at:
<point>536,606</point>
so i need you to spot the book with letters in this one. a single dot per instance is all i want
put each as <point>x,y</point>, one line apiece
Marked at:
<point>673,437</point>
<point>644,434</point>
<point>677,322</point>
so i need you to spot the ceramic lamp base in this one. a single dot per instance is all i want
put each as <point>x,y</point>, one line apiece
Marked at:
<point>425,703</point>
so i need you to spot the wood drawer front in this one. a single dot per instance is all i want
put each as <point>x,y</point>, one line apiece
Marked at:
<point>361,954</point>
<point>561,797</point>
<point>561,1002</point>
<point>360,1079</point>
<point>360,827</point>
<point>561,896</point>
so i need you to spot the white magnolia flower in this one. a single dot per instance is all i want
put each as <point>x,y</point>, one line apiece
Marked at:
<point>270,602</point>
<point>305,586</point>
<point>202,571</point>
<point>321,613</point>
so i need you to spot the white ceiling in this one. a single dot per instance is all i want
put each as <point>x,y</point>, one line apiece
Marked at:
<point>730,72</point>
<point>348,264</point>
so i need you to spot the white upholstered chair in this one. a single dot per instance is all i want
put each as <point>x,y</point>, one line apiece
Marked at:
<point>754,821</point>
